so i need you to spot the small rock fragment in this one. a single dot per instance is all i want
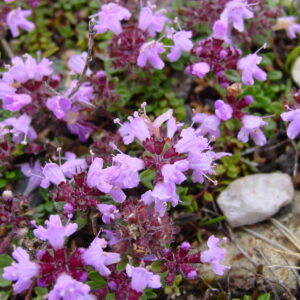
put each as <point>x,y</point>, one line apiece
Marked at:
<point>255,198</point>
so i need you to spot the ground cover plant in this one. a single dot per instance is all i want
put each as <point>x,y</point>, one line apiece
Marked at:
<point>120,124</point>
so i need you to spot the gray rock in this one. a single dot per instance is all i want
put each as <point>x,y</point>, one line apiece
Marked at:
<point>255,198</point>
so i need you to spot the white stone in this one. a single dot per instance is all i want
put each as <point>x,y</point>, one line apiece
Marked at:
<point>255,198</point>
<point>295,72</point>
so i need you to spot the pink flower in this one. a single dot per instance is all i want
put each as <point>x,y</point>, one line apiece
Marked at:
<point>23,271</point>
<point>161,194</point>
<point>110,18</point>
<point>209,124</point>
<point>220,31</point>
<point>35,176</point>
<point>152,22</point>
<point>142,278</point>
<point>59,105</point>
<point>53,174</point>
<point>28,68</point>
<point>97,258</point>
<point>15,102</point>
<point>182,43</point>
<point>76,63</point>
<point>190,141</point>
<point>73,165</point>
<point>109,212</point>
<point>21,128</point>
<point>149,52</point>
<point>199,69</point>
<point>214,255</point>
<point>174,172</point>
<point>250,70</point>
<point>251,126</point>
<point>292,116</point>
<point>235,12</point>
<point>289,25</point>
<point>55,232</point>
<point>17,19</point>
<point>223,110</point>
<point>67,288</point>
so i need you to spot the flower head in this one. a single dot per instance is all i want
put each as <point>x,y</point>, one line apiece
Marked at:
<point>23,271</point>
<point>55,232</point>
<point>235,12</point>
<point>289,25</point>
<point>95,256</point>
<point>59,105</point>
<point>17,19</point>
<point>142,278</point>
<point>250,70</point>
<point>34,181</point>
<point>199,69</point>
<point>214,255</point>
<point>209,124</point>
<point>152,22</point>
<point>53,174</point>
<point>110,18</point>
<point>150,52</point>
<point>223,110</point>
<point>251,126</point>
<point>292,116</point>
<point>182,43</point>
<point>67,288</point>
<point>15,102</point>
<point>109,212</point>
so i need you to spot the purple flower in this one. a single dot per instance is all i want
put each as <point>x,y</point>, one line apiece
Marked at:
<point>199,69</point>
<point>35,176</point>
<point>182,43</point>
<point>67,288</point>
<point>150,52</point>
<point>53,174</point>
<point>214,255</point>
<point>135,128</point>
<point>250,70</point>
<point>59,105</point>
<point>292,116</point>
<point>190,141</point>
<point>17,19</point>
<point>161,194</point>
<point>141,278</point>
<point>223,110</point>
<point>22,271</point>
<point>251,126</point>
<point>84,95</point>
<point>73,165</point>
<point>202,164</point>
<point>152,22</point>
<point>24,69</point>
<point>173,173</point>
<point>21,128</point>
<point>15,102</point>
<point>110,18</point>
<point>220,31</point>
<point>209,124</point>
<point>109,212</point>
<point>76,63</point>
<point>289,25</point>
<point>235,12</point>
<point>97,258</point>
<point>55,232</point>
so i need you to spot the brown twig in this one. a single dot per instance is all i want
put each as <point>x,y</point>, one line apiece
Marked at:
<point>294,145</point>
<point>6,49</point>
<point>88,58</point>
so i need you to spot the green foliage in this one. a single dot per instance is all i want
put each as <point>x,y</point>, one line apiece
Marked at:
<point>5,260</point>
<point>266,296</point>
<point>40,293</point>
<point>186,199</point>
<point>148,294</point>
<point>96,281</point>
<point>147,177</point>
<point>174,289</point>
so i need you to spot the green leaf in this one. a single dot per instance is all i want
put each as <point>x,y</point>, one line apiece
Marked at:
<point>274,75</point>
<point>2,183</point>
<point>149,294</point>
<point>292,57</point>
<point>264,297</point>
<point>5,260</point>
<point>96,281</point>
<point>4,282</point>
<point>147,177</point>
<point>4,295</point>
<point>208,197</point>
<point>121,266</point>
<point>215,220</point>
<point>156,266</point>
